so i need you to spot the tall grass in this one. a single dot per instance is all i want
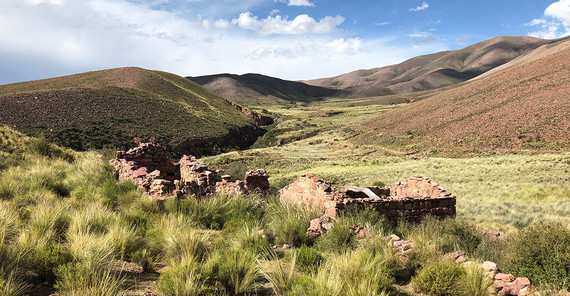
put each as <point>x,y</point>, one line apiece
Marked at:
<point>279,274</point>
<point>289,222</point>
<point>236,270</point>
<point>184,278</point>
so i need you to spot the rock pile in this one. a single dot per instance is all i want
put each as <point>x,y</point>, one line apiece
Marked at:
<point>195,177</point>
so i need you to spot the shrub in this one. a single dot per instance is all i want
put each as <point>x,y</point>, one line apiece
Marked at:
<point>542,253</point>
<point>174,238</point>
<point>123,239</point>
<point>183,278</point>
<point>308,259</point>
<point>438,278</point>
<point>235,270</point>
<point>45,259</point>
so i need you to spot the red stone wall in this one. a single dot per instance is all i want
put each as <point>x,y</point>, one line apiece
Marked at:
<point>410,200</point>
<point>144,164</point>
<point>311,190</point>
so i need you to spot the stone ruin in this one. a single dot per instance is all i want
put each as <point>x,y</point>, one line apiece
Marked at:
<point>149,167</point>
<point>411,200</point>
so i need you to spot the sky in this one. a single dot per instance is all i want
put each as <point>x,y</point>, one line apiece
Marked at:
<point>288,39</point>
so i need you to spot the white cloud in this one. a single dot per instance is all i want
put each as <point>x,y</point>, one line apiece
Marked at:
<point>423,6</point>
<point>555,23</point>
<point>298,3</point>
<point>382,23</point>
<point>302,24</point>
<point>53,39</point>
<point>222,24</point>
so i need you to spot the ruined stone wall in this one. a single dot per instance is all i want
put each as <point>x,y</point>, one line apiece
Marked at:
<point>149,167</point>
<point>145,164</point>
<point>410,200</point>
<point>311,190</point>
<point>196,177</point>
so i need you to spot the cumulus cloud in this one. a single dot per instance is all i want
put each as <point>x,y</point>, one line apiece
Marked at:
<point>48,38</point>
<point>423,6</point>
<point>298,3</point>
<point>302,24</point>
<point>555,23</point>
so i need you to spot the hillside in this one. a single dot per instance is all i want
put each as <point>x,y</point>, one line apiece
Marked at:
<point>433,70</point>
<point>256,89</point>
<point>525,106</point>
<point>110,108</point>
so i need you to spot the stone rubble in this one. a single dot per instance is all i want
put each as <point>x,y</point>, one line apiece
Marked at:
<point>149,167</point>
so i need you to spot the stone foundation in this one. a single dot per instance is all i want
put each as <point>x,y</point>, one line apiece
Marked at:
<point>412,199</point>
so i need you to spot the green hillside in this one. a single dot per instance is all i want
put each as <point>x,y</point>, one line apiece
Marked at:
<point>111,108</point>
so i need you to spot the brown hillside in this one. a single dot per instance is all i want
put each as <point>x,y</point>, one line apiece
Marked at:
<point>524,106</point>
<point>111,107</point>
<point>256,89</point>
<point>433,70</point>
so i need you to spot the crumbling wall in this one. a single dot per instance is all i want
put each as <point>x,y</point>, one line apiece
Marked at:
<point>149,167</point>
<point>311,190</point>
<point>411,200</point>
<point>144,165</point>
<point>195,177</point>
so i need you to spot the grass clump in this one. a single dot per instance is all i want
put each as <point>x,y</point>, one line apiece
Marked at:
<point>186,277</point>
<point>438,278</point>
<point>308,259</point>
<point>86,279</point>
<point>236,271</point>
<point>474,282</point>
<point>280,275</point>
<point>289,222</point>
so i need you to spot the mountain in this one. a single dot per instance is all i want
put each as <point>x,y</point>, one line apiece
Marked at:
<point>110,108</point>
<point>433,70</point>
<point>256,89</point>
<point>524,106</point>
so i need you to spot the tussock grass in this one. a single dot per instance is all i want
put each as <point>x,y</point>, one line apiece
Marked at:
<point>289,222</point>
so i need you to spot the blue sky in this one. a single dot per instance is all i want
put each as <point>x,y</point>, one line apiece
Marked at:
<point>290,39</point>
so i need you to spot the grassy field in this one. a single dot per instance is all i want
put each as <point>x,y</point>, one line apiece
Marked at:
<point>67,226</point>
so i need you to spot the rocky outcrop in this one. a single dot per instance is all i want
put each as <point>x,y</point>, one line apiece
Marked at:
<point>260,120</point>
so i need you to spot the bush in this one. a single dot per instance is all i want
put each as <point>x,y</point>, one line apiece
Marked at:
<point>280,275</point>
<point>308,259</point>
<point>45,259</point>
<point>438,278</point>
<point>542,253</point>
<point>247,237</point>
<point>354,273</point>
<point>11,285</point>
